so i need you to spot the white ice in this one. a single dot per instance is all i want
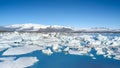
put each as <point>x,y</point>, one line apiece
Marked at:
<point>21,50</point>
<point>22,62</point>
<point>48,43</point>
<point>47,51</point>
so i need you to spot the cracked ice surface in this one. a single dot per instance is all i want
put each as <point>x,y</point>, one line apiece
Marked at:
<point>69,43</point>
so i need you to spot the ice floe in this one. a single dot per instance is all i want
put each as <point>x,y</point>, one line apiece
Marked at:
<point>22,62</point>
<point>21,50</point>
<point>7,59</point>
<point>47,51</point>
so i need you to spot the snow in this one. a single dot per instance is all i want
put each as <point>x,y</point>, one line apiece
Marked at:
<point>28,25</point>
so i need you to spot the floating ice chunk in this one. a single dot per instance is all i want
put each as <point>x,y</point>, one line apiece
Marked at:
<point>91,55</point>
<point>74,43</point>
<point>99,51</point>
<point>7,58</point>
<point>19,63</point>
<point>109,56</point>
<point>96,43</point>
<point>117,57</point>
<point>25,62</point>
<point>76,52</point>
<point>45,35</point>
<point>56,48</point>
<point>66,49</point>
<point>117,43</point>
<point>4,46</point>
<point>21,50</point>
<point>86,37</point>
<point>93,58</point>
<point>48,51</point>
<point>108,42</point>
<point>101,37</point>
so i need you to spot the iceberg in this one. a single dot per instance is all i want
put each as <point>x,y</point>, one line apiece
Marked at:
<point>48,51</point>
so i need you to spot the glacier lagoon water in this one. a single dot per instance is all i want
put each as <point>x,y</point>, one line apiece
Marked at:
<point>63,60</point>
<point>60,60</point>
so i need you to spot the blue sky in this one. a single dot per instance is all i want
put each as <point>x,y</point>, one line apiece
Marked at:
<point>75,13</point>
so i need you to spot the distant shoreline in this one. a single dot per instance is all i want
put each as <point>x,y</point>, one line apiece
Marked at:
<point>62,32</point>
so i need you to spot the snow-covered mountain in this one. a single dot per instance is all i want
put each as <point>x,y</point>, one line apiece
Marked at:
<point>96,30</point>
<point>55,28</point>
<point>35,27</point>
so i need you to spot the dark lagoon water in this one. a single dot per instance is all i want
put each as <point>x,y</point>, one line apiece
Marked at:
<point>61,60</point>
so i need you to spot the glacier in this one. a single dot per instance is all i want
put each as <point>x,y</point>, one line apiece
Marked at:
<point>15,43</point>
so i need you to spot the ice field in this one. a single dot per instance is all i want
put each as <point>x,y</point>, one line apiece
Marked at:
<point>14,46</point>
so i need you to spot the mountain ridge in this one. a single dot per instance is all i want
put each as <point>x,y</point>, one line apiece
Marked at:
<point>29,27</point>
